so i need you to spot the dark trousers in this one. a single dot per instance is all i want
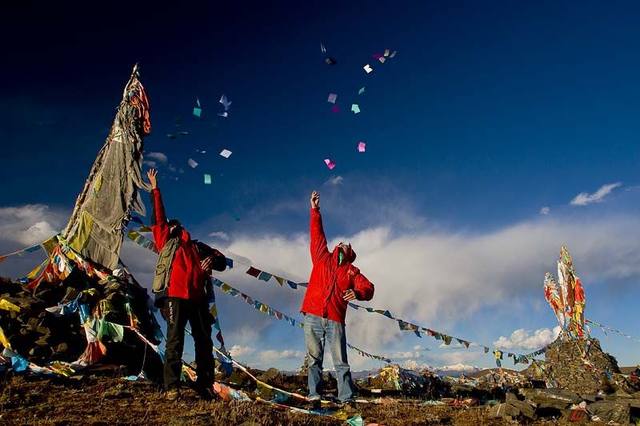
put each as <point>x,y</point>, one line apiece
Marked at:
<point>179,311</point>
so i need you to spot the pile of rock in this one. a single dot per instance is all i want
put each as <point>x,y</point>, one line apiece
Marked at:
<point>44,325</point>
<point>559,404</point>
<point>394,378</point>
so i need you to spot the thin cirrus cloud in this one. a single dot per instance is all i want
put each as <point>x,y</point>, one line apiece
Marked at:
<point>584,198</point>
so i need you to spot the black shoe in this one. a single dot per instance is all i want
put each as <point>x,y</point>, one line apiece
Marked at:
<point>205,392</point>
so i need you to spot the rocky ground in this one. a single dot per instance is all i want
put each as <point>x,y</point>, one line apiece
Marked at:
<point>104,400</point>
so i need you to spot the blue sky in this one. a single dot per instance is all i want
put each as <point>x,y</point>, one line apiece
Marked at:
<point>489,112</point>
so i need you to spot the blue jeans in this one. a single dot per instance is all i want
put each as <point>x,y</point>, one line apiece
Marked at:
<point>316,331</point>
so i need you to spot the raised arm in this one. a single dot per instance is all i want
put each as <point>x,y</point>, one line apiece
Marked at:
<point>159,224</point>
<point>318,244</point>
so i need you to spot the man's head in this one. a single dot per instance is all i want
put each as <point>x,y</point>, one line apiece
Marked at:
<point>175,228</point>
<point>346,254</point>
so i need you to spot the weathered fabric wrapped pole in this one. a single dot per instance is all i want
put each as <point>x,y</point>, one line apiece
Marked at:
<point>112,190</point>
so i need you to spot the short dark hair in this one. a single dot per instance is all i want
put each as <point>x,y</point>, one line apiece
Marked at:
<point>174,222</point>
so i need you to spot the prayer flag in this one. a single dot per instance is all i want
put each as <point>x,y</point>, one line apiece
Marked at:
<point>192,163</point>
<point>362,146</point>
<point>207,179</point>
<point>355,108</point>
<point>264,276</point>
<point>253,271</point>
<point>330,164</point>
<point>367,68</point>
<point>225,153</point>
<point>197,111</point>
<point>332,98</point>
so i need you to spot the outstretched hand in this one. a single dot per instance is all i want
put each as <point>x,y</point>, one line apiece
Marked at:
<point>315,200</point>
<point>207,264</point>
<point>152,175</point>
<point>349,295</point>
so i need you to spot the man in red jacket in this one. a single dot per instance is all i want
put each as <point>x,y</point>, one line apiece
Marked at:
<point>333,283</point>
<point>181,277</point>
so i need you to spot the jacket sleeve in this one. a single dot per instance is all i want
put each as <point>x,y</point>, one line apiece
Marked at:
<point>362,287</point>
<point>159,226</point>
<point>318,244</point>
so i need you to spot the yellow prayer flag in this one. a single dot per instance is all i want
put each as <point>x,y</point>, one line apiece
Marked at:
<point>8,306</point>
<point>3,339</point>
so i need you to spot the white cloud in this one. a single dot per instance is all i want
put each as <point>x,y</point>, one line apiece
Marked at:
<point>334,180</point>
<point>150,163</point>
<point>522,339</point>
<point>271,356</point>
<point>219,234</point>
<point>241,351</point>
<point>157,156</point>
<point>584,198</point>
<point>545,210</point>
<point>29,224</point>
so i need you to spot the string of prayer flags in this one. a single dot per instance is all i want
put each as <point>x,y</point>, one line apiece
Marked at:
<point>605,328</point>
<point>30,249</point>
<point>197,110</point>
<point>192,163</point>
<point>207,179</point>
<point>367,68</point>
<point>332,98</point>
<point>355,108</point>
<point>268,310</point>
<point>225,153</point>
<point>330,163</point>
<point>362,146</point>
<point>404,325</point>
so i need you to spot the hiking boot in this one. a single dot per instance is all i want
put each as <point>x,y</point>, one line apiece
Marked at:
<point>172,395</point>
<point>206,394</point>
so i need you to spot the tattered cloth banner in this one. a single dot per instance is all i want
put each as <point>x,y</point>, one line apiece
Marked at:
<point>268,310</point>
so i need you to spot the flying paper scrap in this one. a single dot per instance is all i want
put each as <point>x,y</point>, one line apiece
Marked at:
<point>332,98</point>
<point>382,59</point>
<point>361,91</point>
<point>322,48</point>
<point>330,164</point>
<point>192,163</point>
<point>197,111</point>
<point>207,179</point>
<point>362,146</point>
<point>223,114</point>
<point>355,108</point>
<point>225,153</point>
<point>226,103</point>
<point>386,53</point>
<point>330,61</point>
<point>368,68</point>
